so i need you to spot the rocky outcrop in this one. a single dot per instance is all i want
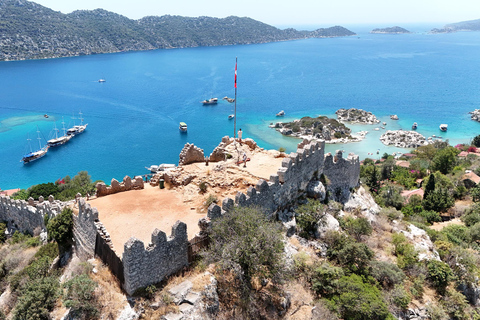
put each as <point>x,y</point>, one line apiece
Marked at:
<point>403,139</point>
<point>191,154</point>
<point>363,201</point>
<point>316,190</point>
<point>422,243</point>
<point>325,224</point>
<point>394,117</point>
<point>475,115</point>
<point>356,116</point>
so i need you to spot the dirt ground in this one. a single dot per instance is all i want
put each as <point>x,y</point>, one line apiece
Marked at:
<point>440,225</point>
<point>137,213</point>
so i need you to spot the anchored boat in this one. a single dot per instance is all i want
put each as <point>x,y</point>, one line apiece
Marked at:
<point>210,101</point>
<point>182,127</point>
<point>443,127</point>
<point>35,155</point>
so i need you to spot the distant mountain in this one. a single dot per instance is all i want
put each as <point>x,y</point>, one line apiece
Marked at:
<point>391,30</point>
<point>471,25</point>
<point>31,31</point>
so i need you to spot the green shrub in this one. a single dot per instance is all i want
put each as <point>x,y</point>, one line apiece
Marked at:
<point>436,312</point>
<point>430,216</point>
<point>456,305</point>
<point>387,274</point>
<point>282,149</point>
<point>308,216</point>
<point>18,237</point>
<point>457,234</point>
<point>43,189</point>
<point>48,250</point>
<point>400,297</point>
<point>418,285</point>
<point>357,300</point>
<point>244,237</point>
<point>210,199</point>
<point>471,217</point>
<point>352,255</point>
<point>407,256</point>
<point>37,299</point>
<point>439,274</point>
<point>3,236</point>
<point>79,296</point>
<point>203,187</point>
<point>325,279</point>
<point>390,196</point>
<point>20,195</point>
<point>358,227</point>
<point>60,228</point>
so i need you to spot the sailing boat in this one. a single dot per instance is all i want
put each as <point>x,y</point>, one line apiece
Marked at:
<point>34,155</point>
<point>57,140</point>
<point>77,129</point>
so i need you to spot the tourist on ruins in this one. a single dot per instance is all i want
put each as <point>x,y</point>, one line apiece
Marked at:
<point>240,135</point>
<point>244,159</point>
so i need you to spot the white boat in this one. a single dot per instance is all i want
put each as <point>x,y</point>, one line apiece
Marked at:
<point>35,155</point>
<point>281,114</point>
<point>231,116</point>
<point>414,126</point>
<point>161,167</point>
<point>77,129</point>
<point>182,127</point>
<point>102,80</point>
<point>443,127</point>
<point>57,141</point>
<point>210,101</point>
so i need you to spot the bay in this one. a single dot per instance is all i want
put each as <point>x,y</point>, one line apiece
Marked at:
<point>133,117</point>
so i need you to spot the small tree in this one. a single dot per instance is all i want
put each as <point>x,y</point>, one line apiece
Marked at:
<point>476,141</point>
<point>60,228</point>
<point>445,160</point>
<point>440,274</point>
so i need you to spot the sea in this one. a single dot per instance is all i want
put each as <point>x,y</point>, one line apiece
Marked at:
<point>133,117</point>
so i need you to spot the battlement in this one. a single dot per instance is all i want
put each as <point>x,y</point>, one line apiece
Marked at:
<point>115,186</point>
<point>161,258</point>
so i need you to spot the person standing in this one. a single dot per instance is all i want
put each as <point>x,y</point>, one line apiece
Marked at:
<point>240,135</point>
<point>244,159</point>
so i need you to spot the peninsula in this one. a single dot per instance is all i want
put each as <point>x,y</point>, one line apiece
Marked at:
<point>391,30</point>
<point>32,31</point>
<point>470,25</point>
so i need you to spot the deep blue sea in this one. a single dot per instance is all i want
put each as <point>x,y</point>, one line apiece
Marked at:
<point>133,117</point>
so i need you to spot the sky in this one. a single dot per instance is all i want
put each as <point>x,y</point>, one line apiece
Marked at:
<point>290,12</point>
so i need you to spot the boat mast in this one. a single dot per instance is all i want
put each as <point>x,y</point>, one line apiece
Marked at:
<point>235,117</point>
<point>39,142</point>
<point>81,119</point>
<point>64,130</point>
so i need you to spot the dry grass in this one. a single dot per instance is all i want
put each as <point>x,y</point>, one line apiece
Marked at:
<point>301,301</point>
<point>109,295</point>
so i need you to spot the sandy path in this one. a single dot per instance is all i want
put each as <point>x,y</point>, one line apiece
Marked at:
<point>138,212</point>
<point>440,225</point>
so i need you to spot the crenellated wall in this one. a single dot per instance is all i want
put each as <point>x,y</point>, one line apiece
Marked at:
<point>293,177</point>
<point>161,258</point>
<point>27,216</point>
<point>116,187</point>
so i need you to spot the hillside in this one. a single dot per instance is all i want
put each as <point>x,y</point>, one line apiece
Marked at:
<point>31,31</point>
<point>391,30</point>
<point>471,25</point>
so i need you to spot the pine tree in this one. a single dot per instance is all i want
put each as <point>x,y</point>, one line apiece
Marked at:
<point>430,186</point>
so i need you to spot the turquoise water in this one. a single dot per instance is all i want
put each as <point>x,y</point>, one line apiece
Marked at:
<point>133,117</point>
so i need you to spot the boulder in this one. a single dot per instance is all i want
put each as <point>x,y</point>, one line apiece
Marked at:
<point>326,223</point>
<point>115,186</point>
<point>316,190</point>
<point>364,201</point>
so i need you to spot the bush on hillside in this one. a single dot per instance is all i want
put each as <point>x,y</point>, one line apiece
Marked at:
<point>79,297</point>
<point>60,228</point>
<point>386,273</point>
<point>308,216</point>
<point>439,274</point>
<point>357,228</point>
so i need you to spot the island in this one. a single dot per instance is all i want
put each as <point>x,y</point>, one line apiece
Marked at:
<point>404,139</point>
<point>322,127</point>
<point>32,31</point>
<point>470,25</point>
<point>390,30</point>
<point>356,116</point>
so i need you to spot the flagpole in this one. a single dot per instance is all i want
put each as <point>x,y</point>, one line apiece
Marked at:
<point>235,115</point>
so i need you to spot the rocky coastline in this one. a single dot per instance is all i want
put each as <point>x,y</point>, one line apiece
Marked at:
<point>353,115</point>
<point>475,115</point>
<point>404,139</point>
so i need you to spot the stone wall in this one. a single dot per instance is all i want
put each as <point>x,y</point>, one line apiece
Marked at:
<point>85,230</point>
<point>115,186</point>
<point>342,173</point>
<point>190,154</point>
<point>28,216</point>
<point>161,258</point>
<point>291,180</point>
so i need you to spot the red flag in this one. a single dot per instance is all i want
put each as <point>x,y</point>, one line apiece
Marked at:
<point>235,73</point>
